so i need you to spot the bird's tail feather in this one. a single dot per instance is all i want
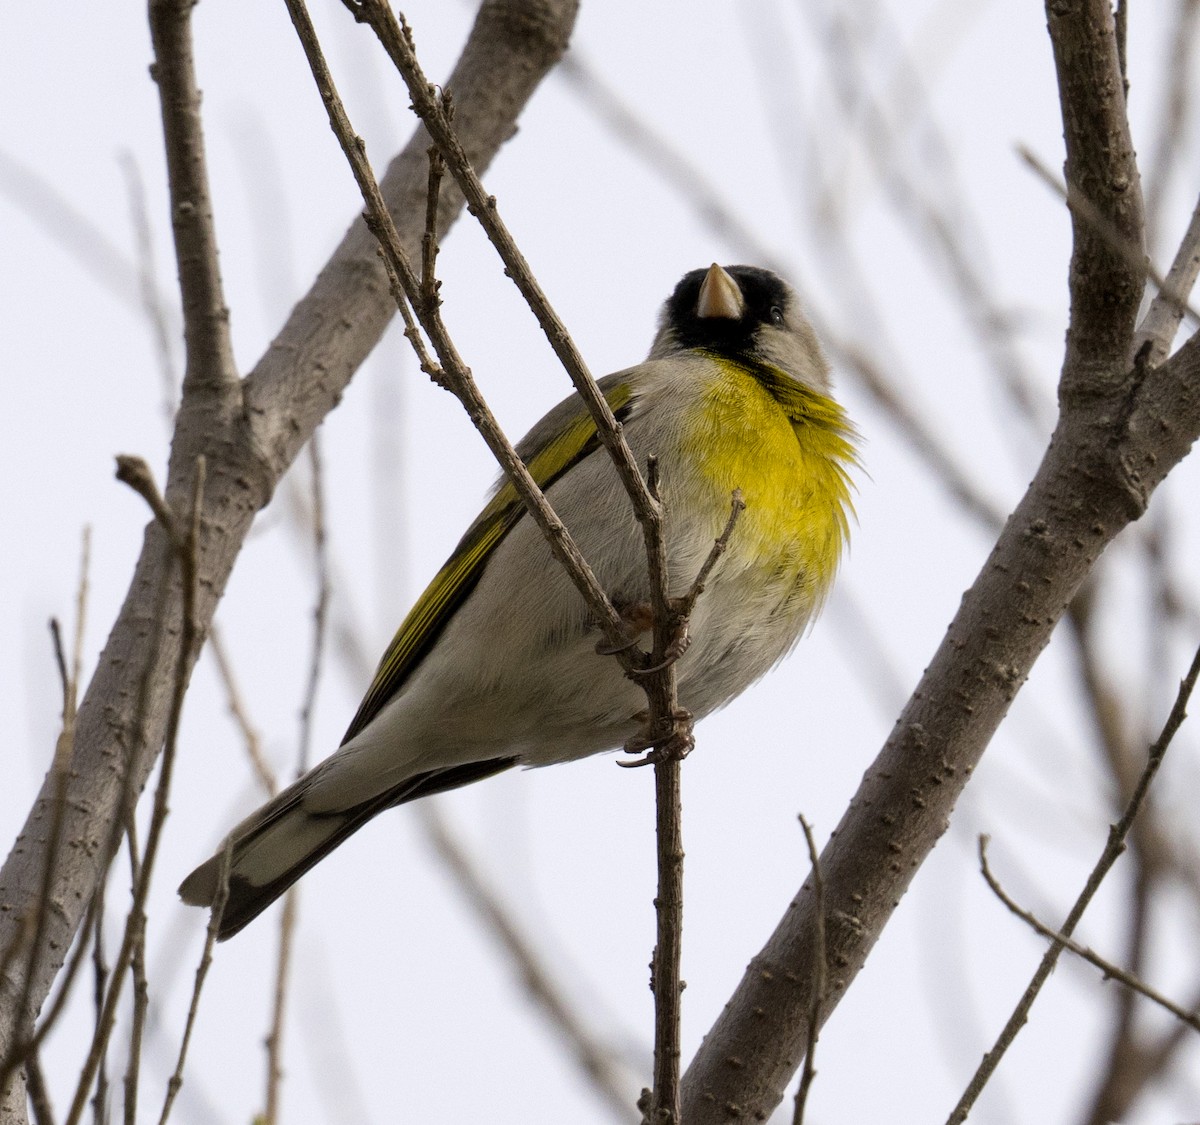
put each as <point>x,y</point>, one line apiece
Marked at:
<point>271,849</point>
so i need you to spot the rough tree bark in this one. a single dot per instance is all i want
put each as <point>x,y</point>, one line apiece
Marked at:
<point>249,431</point>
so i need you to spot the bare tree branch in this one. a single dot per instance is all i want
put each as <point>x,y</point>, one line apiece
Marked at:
<point>210,363</point>
<point>1101,168</point>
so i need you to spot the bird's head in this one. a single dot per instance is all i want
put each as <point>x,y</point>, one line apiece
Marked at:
<point>742,313</point>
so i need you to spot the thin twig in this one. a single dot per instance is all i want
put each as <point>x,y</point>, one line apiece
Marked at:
<point>60,661</point>
<point>152,305</point>
<point>687,603</point>
<point>140,1004</point>
<point>429,240</point>
<point>820,976</point>
<point>1112,851</point>
<point>241,716</point>
<point>412,331</point>
<point>187,553</point>
<point>279,993</point>
<point>214,925</point>
<point>134,471</point>
<point>100,977</point>
<point>320,612</point>
<point>81,605</point>
<point>137,971</point>
<point>1108,968</point>
<point>665,982</point>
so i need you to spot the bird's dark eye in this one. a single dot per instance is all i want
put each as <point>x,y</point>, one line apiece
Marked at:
<point>776,314</point>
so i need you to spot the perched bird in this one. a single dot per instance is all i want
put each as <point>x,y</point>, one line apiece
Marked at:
<point>497,663</point>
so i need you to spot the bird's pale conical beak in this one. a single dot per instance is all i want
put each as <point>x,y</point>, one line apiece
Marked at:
<point>720,296</point>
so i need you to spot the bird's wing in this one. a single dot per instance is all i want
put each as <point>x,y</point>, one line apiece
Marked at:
<point>560,440</point>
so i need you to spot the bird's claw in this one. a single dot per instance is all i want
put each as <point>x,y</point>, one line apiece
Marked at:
<point>606,648</point>
<point>637,617</point>
<point>673,741</point>
<point>677,647</point>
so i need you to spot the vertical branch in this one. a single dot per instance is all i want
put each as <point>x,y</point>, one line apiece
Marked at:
<point>274,1039</point>
<point>663,1103</point>
<point>100,977</point>
<point>1102,169</point>
<point>175,1082</point>
<point>676,740</point>
<point>210,363</point>
<point>141,986</point>
<point>320,612</point>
